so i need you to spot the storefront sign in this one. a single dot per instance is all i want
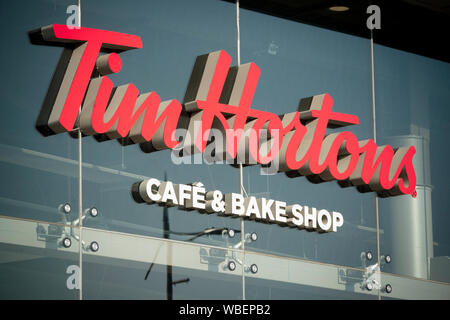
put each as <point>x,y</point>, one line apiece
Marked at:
<point>193,197</point>
<point>218,97</point>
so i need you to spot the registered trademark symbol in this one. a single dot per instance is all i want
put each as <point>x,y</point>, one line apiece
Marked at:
<point>414,194</point>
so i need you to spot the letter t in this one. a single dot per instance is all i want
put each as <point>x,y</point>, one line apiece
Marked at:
<point>68,86</point>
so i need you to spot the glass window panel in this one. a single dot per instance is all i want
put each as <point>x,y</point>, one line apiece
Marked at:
<point>287,278</point>
<point>127,266</point>
<point>299,61</point>
<point>38,173</point>
<point>413,109</point>
<point>34,264</point>
<point>413,289</point>
<point>133,261</point>
<point>174,33</point>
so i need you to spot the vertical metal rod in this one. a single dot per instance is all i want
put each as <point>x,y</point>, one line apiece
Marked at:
<point>166,233</point>
<point>241,170</point>
<point>80,188</point>
<point>169,281</point>
<point>79,13</point>
<point>374,115</point>
<point>80,209</point>
<point>238,34</point>
<point>374,121</point>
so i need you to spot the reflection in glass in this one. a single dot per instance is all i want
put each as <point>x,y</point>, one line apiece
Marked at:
<point>38,260</point>
<point>299,61</point>
<point>109,168</point>
<point>287,278</point>
<point>412,289</point>
<point>39,174</point>
<point>412,109</point>
<point>135,267</point>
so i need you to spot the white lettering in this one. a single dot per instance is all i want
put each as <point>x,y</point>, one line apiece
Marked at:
<point>184,192</point>
<point>338,220</point>
<point>148,190</point>
<point>324,220</point>
<point>310,217</point>
<point>295,216</point>
<point>195,196</point>
<point>266,209</point>
<point>252,208</point>
<point>198,197</point>
<point>237,204</point>
<point>168,193</point>
<point>280,211</point>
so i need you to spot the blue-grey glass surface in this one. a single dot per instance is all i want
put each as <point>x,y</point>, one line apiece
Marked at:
<point>275,277</point>
<point>173,33</point>
<point>38,173</point>
<point>299,61</point>
<point>128,266</point>
<point>33,262</point>
<point>412,103</point>
<point>257,289</point>
<point>105,281</point>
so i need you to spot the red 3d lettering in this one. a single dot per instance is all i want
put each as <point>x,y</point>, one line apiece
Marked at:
<point>218,97</point>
